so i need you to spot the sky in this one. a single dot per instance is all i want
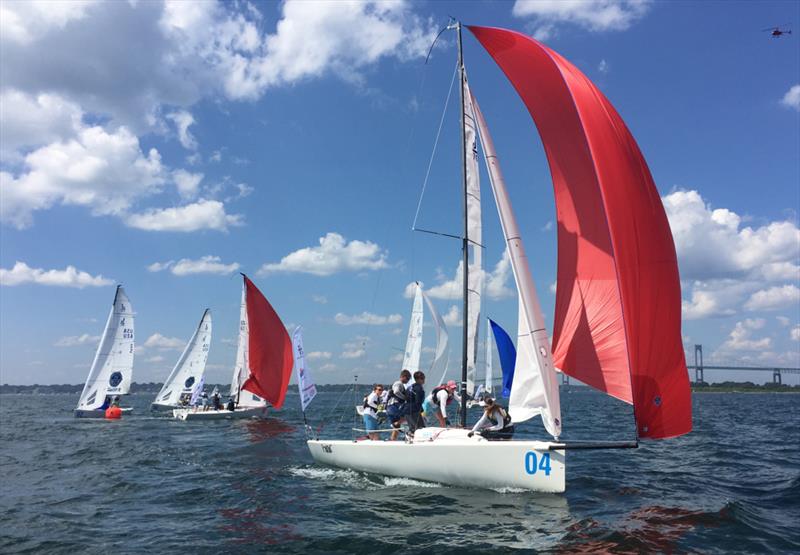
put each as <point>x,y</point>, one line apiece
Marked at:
<point>169,146</point>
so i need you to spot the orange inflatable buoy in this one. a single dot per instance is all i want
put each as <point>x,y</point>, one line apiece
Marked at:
<point>113,413</point>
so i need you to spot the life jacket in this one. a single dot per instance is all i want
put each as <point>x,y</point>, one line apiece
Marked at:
<point>504,414</point>
<point>367,405</point>
<point>435,394</point>
<point>394,398</point>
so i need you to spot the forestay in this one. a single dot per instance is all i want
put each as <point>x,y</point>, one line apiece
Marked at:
<point>190,366</point>
<point>535,387</point>
<point>414,340</point>
<point>112,368</point>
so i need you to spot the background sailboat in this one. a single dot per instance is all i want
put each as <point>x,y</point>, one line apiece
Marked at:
<point>263,362</point>
<point>188,372</point>
<point>112,368</point>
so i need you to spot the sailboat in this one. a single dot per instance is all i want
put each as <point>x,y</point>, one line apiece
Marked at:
<point>617,325</point>
<point>187,375</point>
<point>263,362</point>
<point>112,368</point>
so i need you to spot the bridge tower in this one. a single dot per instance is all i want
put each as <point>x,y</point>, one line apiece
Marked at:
<point>698,364</point>
<point>564,379</point>
<point>776,376</point>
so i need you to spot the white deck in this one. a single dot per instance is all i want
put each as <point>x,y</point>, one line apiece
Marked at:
<point>448,456</point>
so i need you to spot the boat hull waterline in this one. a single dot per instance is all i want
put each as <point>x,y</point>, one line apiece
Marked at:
<point>98,413</point>
<point>224,414</point>
<point>457,460</point>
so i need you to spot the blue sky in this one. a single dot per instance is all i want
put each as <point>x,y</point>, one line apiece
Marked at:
<point>168,146</point>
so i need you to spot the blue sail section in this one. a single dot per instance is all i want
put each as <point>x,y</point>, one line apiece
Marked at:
<point>508,355</point>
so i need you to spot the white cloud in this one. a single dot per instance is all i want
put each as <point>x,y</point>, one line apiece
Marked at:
<point>183,120</point>
<point>318,355</point>
<point>333,255</point>
<point>783,320</point>
<point>453,316</point>
<point>495,282</point>
<point>794,333</point>
<point>105,171</point>
<point>320,299</point>
<point>594,15</point>
<point>603,66</point>
<point>156,358</point>
<point>740,338</point>
<point>553,287</point>
<point>76,340</point>
<point>355,353</point>
<point>204,265</point>
<point>188,184</point>
<point>367,318</point>
<point>163,343</point>
<point>70,276</point>
<point>774,298</point>
<point>32,121</point>
<point>711,243</point>
<point>203,214</point>
<point>23,22</point>
<point>792,98</point>
<point>548,226</point>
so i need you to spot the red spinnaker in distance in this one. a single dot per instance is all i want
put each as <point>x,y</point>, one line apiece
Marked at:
<point>269,349</point>
<point>617,323</point>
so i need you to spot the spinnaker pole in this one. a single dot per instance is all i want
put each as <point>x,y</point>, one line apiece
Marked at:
<point>465,240</point>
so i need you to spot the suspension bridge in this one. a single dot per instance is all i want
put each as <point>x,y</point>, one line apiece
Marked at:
<point>699,369</point>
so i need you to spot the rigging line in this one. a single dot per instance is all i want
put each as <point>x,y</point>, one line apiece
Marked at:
<point>435,145</point>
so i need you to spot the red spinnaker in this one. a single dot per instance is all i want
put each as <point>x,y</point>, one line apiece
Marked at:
<point>617,320</point>
<point>270,349</point>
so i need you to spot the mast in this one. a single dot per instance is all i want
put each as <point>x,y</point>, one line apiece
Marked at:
<point>465,240</point>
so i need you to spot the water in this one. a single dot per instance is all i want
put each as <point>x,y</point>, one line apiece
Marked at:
<point>149,483</point>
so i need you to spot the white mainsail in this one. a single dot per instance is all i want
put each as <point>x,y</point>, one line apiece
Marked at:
<point>112,368</point>
<point>190,367</point>
<point>474,232</point>
<point>441,332</point>
<point>535,388</point>
<point>242,369</point>
<point>414,340</point>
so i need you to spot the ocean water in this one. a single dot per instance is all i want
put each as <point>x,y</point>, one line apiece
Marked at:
<point>148,483</point>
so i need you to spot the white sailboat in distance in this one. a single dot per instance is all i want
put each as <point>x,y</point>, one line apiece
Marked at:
<point>618,306</point>
<point>263,363</point>
<point>112,368</point>
<point>187,375</point>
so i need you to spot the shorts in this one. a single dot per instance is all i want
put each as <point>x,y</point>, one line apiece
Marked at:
<point>396,412</point>
<point>429,408</point>
<point>370,423</point>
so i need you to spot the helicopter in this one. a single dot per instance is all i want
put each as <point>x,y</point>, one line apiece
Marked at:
<point>777,32</point>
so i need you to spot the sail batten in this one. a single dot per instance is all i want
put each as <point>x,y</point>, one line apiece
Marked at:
<point>617,315</point>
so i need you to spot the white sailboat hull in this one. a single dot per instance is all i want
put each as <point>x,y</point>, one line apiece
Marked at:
<point>448,456</point>
<point>211,414</point>
<point>98,413</point>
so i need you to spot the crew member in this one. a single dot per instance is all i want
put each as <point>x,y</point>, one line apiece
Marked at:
<point>371,408</point>
<point>436,403</point>
<point>495,422</point>
<point>397,402</point>
<point>417,398</point>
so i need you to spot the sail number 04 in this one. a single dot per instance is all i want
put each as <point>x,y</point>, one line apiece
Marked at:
<point>531,466</point>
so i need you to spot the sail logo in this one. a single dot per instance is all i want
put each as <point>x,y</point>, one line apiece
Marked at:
<point>189,382</point>
<point>115,379</point>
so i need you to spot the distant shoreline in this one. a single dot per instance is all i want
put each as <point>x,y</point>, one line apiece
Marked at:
<point>151,387</point>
